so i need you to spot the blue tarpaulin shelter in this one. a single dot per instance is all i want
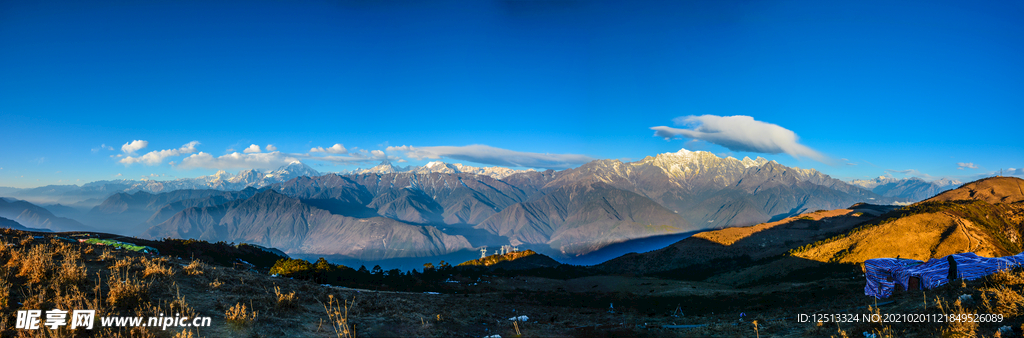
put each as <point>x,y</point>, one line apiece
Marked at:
<point>887,274</point>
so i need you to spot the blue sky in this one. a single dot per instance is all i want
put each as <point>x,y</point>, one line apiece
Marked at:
<point>868,87</point>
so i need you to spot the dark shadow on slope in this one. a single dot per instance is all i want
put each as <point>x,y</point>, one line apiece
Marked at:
<point>342,208</point>
<point>793,212</point>
<point>637,245</point>
<point>476,237</point>
<point>402,263</point>
<point>723,251</point>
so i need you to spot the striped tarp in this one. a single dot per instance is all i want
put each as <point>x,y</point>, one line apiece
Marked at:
<point>883,274</point>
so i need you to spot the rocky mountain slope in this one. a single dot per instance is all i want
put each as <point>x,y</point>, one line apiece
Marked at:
<point>11,224</point>
<point>713,192</point>
<point>131,214</point>
<point>576,219</point>
<point>34,216</point>
<point>275,220</point>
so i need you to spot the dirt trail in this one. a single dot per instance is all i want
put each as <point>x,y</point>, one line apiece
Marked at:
<point>962,224</point>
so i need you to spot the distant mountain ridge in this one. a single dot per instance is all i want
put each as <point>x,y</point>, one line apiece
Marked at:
<point>443,207</point>
<point>907,190</point>
<point>386,167</point>
<point>33,216</point>
<point>713,192</point>
<point>564,213</point>
<point>278,221</point>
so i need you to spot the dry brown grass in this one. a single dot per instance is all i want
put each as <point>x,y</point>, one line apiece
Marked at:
<point>72,273</point>
<point>964,328</point>
<point>155,267</point>
<point>185,334</point>
<point>284,300</point>
<point>126,291</point>
<point>1002,300</point>
<point>240,316</point>
<point>107,255</point>
<point>35,263</point>
<point>179,306</point>
<point>1008,278</point>
<point>195,268</point>
<point>121,264</point>
<point>5,294</point>
<point>337,314</point>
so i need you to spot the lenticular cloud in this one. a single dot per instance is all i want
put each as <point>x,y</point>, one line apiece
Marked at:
<point>739,133</point>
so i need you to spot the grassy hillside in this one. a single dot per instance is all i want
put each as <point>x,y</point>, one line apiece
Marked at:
<point>927,230</point>
<point>495,259</point>
<point>992,190</point>
<point>715,251</point>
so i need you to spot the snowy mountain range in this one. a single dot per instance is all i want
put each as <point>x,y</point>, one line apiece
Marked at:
<point>907,190</point>
<point>683,166</point>
<point>440,208</point>
<point>387,167</point>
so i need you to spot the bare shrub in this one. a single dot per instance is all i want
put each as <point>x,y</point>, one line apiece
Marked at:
<point>216,283</point>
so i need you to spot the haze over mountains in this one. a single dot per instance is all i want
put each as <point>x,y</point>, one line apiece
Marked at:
<point>907,190</point>
<point>389,212</point>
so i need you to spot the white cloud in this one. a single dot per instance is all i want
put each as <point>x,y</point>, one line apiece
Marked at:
<point>271,147</point>
<point>337,148</point>
<point>133,146</point>
<point>157,156</point>
<point>271,160</point>
<point>355,156</point>
<point>740,133</point>
<point>968,165</point>
<point>494,156</point>
<point>252,149</point>
<point>118,175</point>
<point>102,147</point>
<point>911,173</point>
